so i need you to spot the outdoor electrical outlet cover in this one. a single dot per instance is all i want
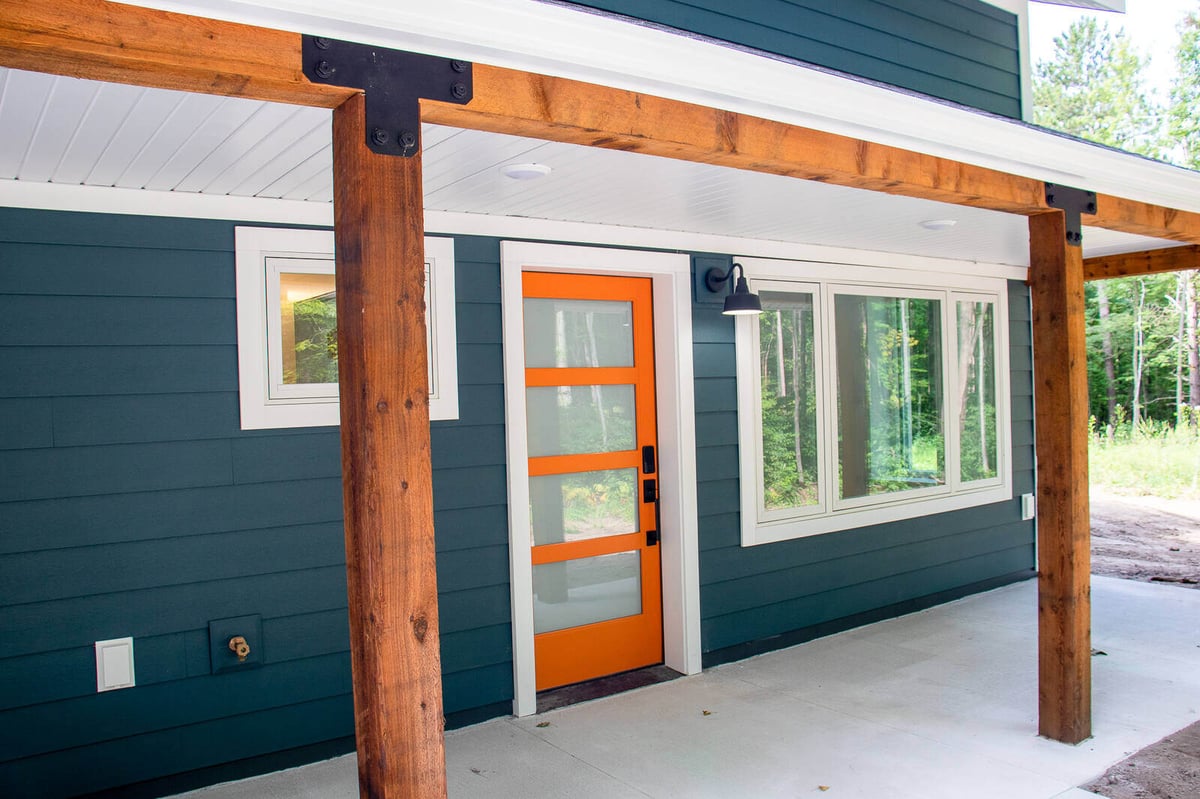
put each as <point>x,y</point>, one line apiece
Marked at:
<point>221,631</point>
<point>1028,507</point>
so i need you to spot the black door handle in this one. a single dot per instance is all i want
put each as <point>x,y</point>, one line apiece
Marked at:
<point>650,494</point>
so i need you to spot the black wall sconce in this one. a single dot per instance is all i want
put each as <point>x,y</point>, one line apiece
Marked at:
<point>739,301</point>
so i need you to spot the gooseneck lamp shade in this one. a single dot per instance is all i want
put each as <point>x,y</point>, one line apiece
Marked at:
<point>740,301</point>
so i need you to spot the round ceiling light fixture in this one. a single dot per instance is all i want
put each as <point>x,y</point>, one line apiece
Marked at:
<point>939,224</point>
<point>525,171</point>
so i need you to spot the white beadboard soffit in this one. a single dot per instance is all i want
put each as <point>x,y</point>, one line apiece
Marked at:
<point>76,133</point>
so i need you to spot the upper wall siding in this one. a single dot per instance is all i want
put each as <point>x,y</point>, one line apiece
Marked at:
<point>131,503</point>
<point>749,594</point>
<point>965,51</point>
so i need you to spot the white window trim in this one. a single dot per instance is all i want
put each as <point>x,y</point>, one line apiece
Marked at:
<point>671,276</point>
<point>314,408</point>
<point>824,279</point>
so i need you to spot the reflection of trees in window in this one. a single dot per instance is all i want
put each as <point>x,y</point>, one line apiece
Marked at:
<point>889,393</point>
<point>976,391</point>
<point>315,326</point>
<point>789,413</point>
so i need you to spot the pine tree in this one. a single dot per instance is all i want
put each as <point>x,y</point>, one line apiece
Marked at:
<point>1093,89</point>
<point>1183,118</point>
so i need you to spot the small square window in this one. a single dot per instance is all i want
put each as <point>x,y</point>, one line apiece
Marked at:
<point>287,328</point>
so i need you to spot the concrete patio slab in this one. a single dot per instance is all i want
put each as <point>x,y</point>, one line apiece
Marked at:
<point>941,703</point>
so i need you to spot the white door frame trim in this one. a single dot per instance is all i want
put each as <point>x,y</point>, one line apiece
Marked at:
<point>671,276</point>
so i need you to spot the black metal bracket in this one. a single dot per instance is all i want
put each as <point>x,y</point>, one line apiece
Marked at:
<point>1074,202</point>
<point>394,81</point>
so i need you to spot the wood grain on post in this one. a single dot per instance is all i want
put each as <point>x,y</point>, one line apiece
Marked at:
<point>1063,525</point>
<point>386,472</point>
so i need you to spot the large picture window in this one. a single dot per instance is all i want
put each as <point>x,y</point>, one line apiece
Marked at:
<point>287,328</point>
<point>863,401</point>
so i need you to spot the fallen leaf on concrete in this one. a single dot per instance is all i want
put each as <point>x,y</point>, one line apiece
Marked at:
<point>1098,652</point>
<point>543,724</point>
<point>822,787</point>
<point>706,712</point>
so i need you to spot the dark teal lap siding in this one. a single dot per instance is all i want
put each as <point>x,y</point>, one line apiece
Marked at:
<point>761,597</point>
<point>131,503</point>
<point>964,51</point>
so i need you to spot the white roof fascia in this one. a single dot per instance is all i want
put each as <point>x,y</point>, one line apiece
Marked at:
<point>565,42</point>
<point>1094,5</point>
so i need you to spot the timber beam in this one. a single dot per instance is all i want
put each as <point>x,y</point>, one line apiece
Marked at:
<point>1146,262</point>
<point>1064,526</point>
<point>99,40</point>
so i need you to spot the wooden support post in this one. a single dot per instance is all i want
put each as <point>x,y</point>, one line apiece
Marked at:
<point>386,472</point>
<point>1064,527</point>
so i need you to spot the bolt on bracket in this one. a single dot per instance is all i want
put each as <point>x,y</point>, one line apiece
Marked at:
<point>394,82</point>
<point>1075,203</point>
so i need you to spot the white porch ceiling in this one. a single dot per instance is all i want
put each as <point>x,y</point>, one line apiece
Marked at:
<point>73,132</point>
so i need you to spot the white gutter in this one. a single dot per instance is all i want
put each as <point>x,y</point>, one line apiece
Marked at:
<point>565,42</point>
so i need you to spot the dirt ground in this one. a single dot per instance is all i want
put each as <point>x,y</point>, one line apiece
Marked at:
<point>1154,540</point>
<point>1147,539</point>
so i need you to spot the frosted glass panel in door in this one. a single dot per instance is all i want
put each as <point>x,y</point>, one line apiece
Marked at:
<point>570,420</point>
<point>583,505</point>
<point>586,590</point>
<point>577,333</point>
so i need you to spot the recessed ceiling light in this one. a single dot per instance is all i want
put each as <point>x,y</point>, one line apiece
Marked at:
<point>939,224</point>
<point>525,171</point>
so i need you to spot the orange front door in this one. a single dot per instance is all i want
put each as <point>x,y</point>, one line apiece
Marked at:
<point>589,380</point>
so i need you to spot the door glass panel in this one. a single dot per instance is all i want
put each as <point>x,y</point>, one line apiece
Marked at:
<point>572,593</point>
<point>583,505</point>
<point>569,420</point>
<point>578,333</point>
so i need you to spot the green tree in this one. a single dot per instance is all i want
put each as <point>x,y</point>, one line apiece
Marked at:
<point>1183,121</point>
<point>1092,88</point>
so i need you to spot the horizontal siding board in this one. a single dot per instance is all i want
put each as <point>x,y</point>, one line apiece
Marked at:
<point>734,563</point>
<point>710,326</point>
<point>89,371</point>
<point>944,49</point>
<point>67,271</point>
<point>127,760</point>
<point>474,487</point>
<point>482,405</point>
<point>463,528</point>
<point>714,360</point>
<point>478,323</point>
<point>163,562</point>
<point>717,497</point>
<point>716,394</point>
<point>129,419</point>
<point>718,632</point>
<point>477,687</point>
<point>39,321</point>
<point>324,632</point>
<point>475,282</point>
<point>474,609</point>
<point>716,463</point>
<point>718,429</point>
<point>718,531</point>
<point>479,249</point>
<point>26,424</point>
<point>42,626</point>
<point>115,518</point>
<point>22,225</point>
<point>81,471</point>
<point>466,569</point>
<point>271,459</point>
<point>480,365</point>
<point>473,649</point>
<point>154,708</point>
<point>759,590</point>
<point>464,446</point>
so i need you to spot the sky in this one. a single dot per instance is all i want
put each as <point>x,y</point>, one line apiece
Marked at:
<point>1150,25</point>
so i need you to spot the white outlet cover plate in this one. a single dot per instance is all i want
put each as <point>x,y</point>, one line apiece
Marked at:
<point>114,664</point>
